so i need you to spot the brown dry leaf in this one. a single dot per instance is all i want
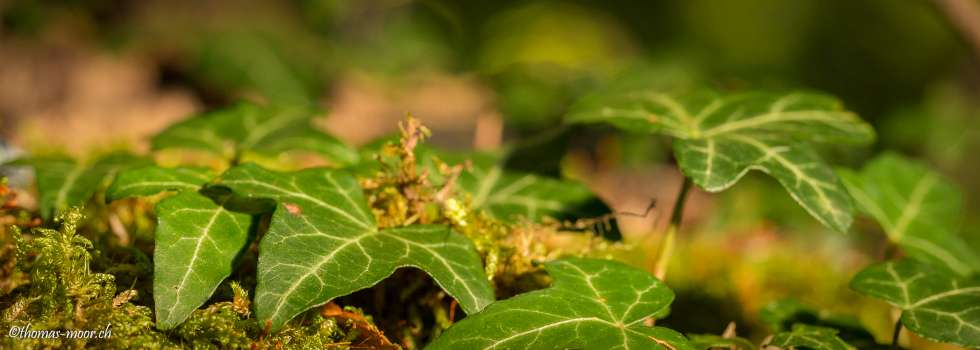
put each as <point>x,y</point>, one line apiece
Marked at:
<point>368,337</point>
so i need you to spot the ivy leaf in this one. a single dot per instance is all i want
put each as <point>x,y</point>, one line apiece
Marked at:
<point>196,242</point>
<point>712,341</point>
<point>508,195</point>
<point>63,182</point>
<point>720,138</point>
<point>917,208</point>
<point>150,180</point>
<point>936,305</point>
<point>248,127</point>
<point>323,242</point>
<point>592,304</point>
<point>809,337</point>
<point>782,315</point>
<point>198,236</point>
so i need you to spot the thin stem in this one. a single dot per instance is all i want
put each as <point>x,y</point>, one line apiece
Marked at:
<point>678,212</point>
<point>667,247</point>
<point>896,333</point>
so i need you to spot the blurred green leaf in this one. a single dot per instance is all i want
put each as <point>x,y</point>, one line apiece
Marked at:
<point>720,138</point>
<point>711,341</point>
<point>935,305</point>
<point>917,208</point>
<point>248,127</point>
<point>808,337</point>
<point>63,182</point>
<point>150,180</point>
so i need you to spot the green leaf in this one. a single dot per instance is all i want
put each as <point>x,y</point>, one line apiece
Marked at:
<point>251,128</point>
<point>936,305</point>
<point>508,195</point>
<point>64,182</point>
<point>917,208</point>
<point>809,337</point>
<point>150,180</point>
<point>782,315</point>
<point>711,341</point>
<point>323,242</point>
<point>592,304</point>
<point>720,138</point>
<point>197,240</point>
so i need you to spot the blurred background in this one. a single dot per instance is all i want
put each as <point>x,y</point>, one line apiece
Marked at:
<point>83,77</point>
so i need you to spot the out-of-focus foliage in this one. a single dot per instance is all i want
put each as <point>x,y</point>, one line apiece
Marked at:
<point>935,304</point>
<point>919,210</point>
<point>720,138</point>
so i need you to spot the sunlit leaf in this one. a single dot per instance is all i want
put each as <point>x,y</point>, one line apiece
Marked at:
<point>64,182</point>
<point>936,305</point>
<point>808,337</point>
<point>150,180</point>
<point>196,242</point>
<point>592,304</point>
<point>721,137</point>
<point>251,128</point>
<point>918,209</point>
<point>323,242</point>
<point>197,238</point>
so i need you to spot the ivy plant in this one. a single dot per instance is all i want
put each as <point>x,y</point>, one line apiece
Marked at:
<point>323,243</point>
<point>720,137</point>
<point>592,304</point>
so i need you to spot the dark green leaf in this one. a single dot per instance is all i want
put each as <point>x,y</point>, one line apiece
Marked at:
<point>592,304</point>
<point>63,182</point>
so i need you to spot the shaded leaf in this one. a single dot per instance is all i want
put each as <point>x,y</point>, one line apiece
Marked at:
<point>936,304</point>
<point>809,337</point>
<point>712,341</point>
<point>507,195</point>
<point>782,315</point>
<point>150,180</point>
<point>251,128</point>
<point>720,138</point>
<point>196,242</point>
<point>592,304</point>
<point>917,208</point>
<point>323,242</point>
<point>64,182</point>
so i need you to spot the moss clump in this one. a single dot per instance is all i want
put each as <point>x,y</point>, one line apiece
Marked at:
<point>64,294</point>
